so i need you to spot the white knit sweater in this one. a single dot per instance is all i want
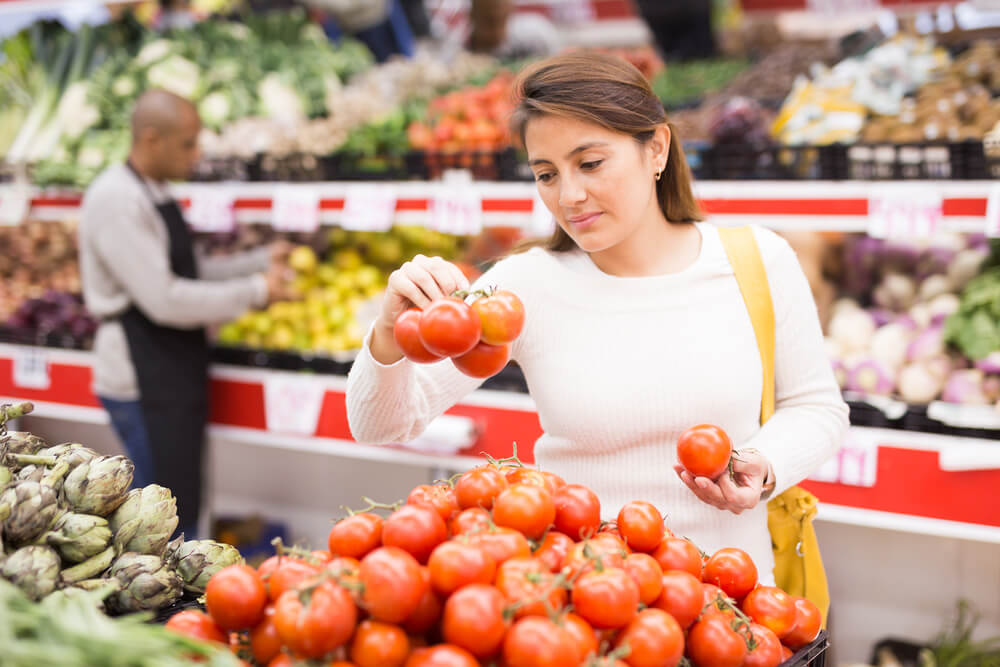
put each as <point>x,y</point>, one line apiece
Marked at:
<point>620,367</point>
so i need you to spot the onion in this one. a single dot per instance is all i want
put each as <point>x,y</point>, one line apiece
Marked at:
<point>966,266</point>
<point>921,315</point>
<point>990,363</point>
<point>991,388</point>
<point>881,316</point>
<point>918,384</point>
<point>889,343</point>
<point>852,329</point>
<point>895,292</point>
<point>933,286</point>
<point>871,377</point>
<point>927,344</point>
<point>942,307</point>
<point>965,387</point>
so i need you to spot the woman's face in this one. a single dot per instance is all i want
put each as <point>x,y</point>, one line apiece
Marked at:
<point>599,184</point>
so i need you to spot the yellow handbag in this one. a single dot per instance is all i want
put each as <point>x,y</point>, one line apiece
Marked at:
<point>798,566</point>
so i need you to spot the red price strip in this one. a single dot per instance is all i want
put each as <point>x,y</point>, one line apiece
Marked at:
<point>295,208</point>
<point>903,212</point>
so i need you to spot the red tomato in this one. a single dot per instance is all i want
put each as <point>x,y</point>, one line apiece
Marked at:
<point>676,553</point>
<point>583,636</point>
<point>578,511</point>
<point>438,497</point>
<point>640,525</point>
<point>606,599</point>
<point>406,333</point>
<point>474,619</point>
<point>682,597</point>
<point>732,570</point>
<point>442,655</point>
<point>712,642</point>
<point>526,508</point>
<point>470,521</point>
<point>265,643</point>
<point>582,557</point>
<point>379,645</point>
<point>648,576</point>
<point>456,564</point>
<point>786,652</point>
<point>448,327</point>
<point>290,573</point>
<point>807,624</point>
<point>315,628</point>
<point>654,639</point>
<point>415,529</point>
<point>235,597</point>
<point>526,475</point>
<point>704,451</point>
<point>281,660</point>
<point>712,594</point>
<point>356,535</point>
<point>483,360</point>
<point>553,550</point>
<point>393,584</point>
<point>767,651</point>
<point>502,544</point>
<point>428,611</point>
<point>771,607</point>
<point>501,315</point>
<point>479,486</point>
<point>529,585</point>
<point>535,641</point>
<point>197,625</point>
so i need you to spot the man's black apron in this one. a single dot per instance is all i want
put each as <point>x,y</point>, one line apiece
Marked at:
<point>171,367</point>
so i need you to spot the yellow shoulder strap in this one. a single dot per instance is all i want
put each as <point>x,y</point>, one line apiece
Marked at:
<point>744,257</point>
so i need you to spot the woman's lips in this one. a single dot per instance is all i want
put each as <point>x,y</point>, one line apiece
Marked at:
<point>582,221</point>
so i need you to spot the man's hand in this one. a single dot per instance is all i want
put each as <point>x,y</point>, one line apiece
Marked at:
<point>280,250</point>
<point>738,493</point>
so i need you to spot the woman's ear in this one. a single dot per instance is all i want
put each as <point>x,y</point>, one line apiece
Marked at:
<point>659,146</point>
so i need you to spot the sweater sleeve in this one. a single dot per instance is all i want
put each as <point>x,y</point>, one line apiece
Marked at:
<point>235,265</point>
<point>394,403</point>
<point>810,417</point>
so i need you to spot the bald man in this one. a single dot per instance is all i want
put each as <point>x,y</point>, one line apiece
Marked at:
<point>154,297</point>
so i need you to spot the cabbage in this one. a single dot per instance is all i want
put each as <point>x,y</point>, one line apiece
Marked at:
<point>177,75</point>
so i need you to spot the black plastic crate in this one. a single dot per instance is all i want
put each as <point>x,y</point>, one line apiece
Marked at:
<point>813,655</point>
<point>912,161</point>
<point>296,168</point>
<point>358,167</point>
<point>747,162</point>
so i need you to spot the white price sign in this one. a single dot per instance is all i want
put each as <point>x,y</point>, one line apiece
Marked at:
<point>855,464</point>
<point>292,403</point>
<point>903,212</point>
<point>15,201</point>
<point>31,369</point>
<point>456,209</point>
<point>368,208</point>
<point>295,208</point>
<point>211,210</point>
<point>993,212</point>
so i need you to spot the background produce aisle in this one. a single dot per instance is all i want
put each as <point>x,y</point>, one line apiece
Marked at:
<point>887,224</point>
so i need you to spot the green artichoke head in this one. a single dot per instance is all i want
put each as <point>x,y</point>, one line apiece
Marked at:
<point>22,442</point>
<point>98,486</point>
<point>145,581</point>
<point>145,521</point>
<point>27,509</point>
<point>77,537</point>
<point>33,569</point>
<point>197,560</point>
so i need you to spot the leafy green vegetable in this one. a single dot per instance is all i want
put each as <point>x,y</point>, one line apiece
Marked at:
<point>955,647</point>
<point>975,327</point>
<point>680,83</point>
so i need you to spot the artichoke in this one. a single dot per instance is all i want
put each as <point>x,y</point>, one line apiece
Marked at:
<point>88,569</point>
<point>70,453</point>
<point>5,476</point>
<point>145,582</point>
<point>98,486</point>
<point>27,509</point>
<point>51,477</point>
<point>22,442</point>
<point>145,521</point>
<point>77,537</point>
<point>34,569</point>
<point>197,560</point>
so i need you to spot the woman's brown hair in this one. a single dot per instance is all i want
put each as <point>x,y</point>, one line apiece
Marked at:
<point>610,92</point>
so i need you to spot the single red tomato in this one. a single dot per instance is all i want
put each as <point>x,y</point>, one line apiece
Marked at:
<point>393,584</point>
<point>641,525</point>
<point>265,643</point>
<point>526,508</point>
<point>646,573</point>
<point>479,486</point>
<point>712,595</point>
<point>416,529</point>
<point>469,521</point>
<point>441,655</point>
<point>704,451</point>
<point>501,315</point>
<point>654,639</point>
<point>281,660</point>
<point>681,596</point>
<point>502,543</point>
<point>448,327</point>
<point>535,641</point>
<point>428,611</point>
<point>606,599</point>
<point>808,622</point>
<point>289,574</point>
<point>314,627</point>
<point>483,360</point>
<point>197,625</point>
<point>530,587</point>
<point>406,333</point>
<point>356,535</point>
<point>767,649</point>
<point>526,475</point>
<point>712,642</point>
<point>474,619</point>
<point>553,549</point>
<point>578,511</point>
<point>235,597</point>
<point>379,645</point>
<point>439,497</point>
<point>583,636</point>
<point>732,570</point>
<point>584,556</point>
<point>771,607</point>
<point>786,653</point>
<point>456,564</point>
<point>676,553</point>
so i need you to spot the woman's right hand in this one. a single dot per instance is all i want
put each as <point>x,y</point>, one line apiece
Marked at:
<point>416,283</point>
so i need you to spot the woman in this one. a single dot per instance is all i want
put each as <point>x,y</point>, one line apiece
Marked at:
<point>635,328</point>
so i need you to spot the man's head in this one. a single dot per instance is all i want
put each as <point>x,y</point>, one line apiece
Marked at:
<point>165,131</point>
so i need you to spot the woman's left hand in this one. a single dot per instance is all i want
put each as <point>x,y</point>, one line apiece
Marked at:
<point>738,493</point>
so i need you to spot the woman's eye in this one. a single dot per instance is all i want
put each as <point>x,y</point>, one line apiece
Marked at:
<point>543,178</point>
<point>591,165</point>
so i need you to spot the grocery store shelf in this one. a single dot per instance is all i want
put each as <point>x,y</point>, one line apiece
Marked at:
<point>60,411</point>
<point>907,523</point>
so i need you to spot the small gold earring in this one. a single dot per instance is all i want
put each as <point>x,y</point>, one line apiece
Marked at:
<point>658,174</point>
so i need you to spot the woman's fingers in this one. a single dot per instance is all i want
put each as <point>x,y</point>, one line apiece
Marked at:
<point>703,487</point>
